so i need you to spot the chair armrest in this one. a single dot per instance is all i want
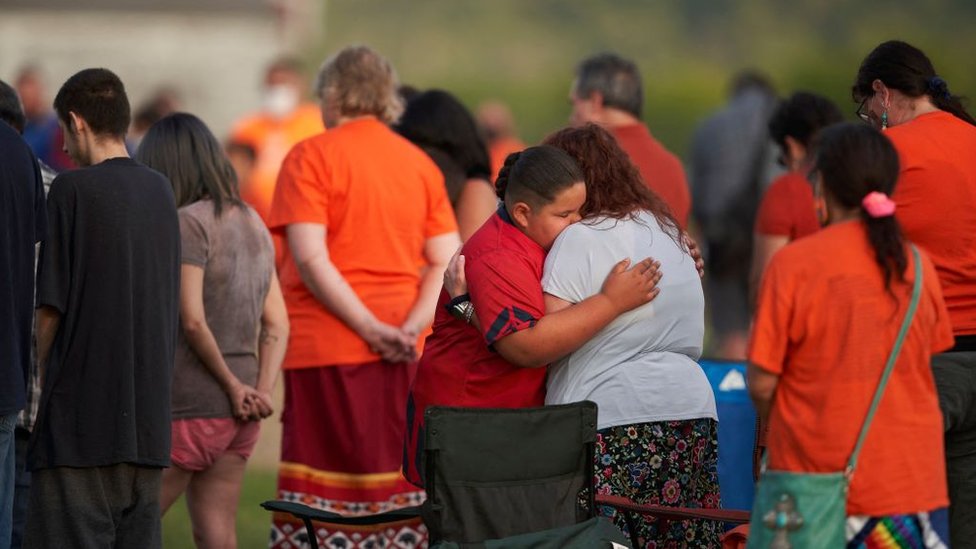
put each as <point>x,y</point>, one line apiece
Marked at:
<point>674,513</point>
<point>304,512</point>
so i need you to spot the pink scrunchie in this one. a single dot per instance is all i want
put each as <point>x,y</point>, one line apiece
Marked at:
<point>878,204</point>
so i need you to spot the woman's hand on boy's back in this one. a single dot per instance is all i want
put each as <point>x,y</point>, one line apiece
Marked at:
<point>695,252</point>
<point>630,288</point>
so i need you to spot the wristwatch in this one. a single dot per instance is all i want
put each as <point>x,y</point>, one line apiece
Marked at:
<point>461,308</point>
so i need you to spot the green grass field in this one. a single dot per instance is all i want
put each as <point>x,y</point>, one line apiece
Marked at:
<point>253,522</point>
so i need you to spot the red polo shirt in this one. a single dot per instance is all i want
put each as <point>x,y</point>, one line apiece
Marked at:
<point>503,268</point>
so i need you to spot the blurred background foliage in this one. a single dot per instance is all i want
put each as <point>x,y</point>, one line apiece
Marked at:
<point>524,51</point>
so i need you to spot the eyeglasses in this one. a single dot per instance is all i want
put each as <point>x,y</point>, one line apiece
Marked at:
<point>861,112</point>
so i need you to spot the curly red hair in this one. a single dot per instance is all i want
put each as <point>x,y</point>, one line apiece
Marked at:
<point>614,187</point>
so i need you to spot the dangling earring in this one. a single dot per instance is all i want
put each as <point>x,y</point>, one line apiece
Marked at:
<point>884,119</point>
<point>820,203</point>
<point>820,208</point>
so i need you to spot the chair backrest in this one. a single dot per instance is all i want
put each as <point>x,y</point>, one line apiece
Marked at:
<point>494,473</point>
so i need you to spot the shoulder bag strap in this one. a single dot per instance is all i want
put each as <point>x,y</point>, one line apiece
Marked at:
<point>892,358</point>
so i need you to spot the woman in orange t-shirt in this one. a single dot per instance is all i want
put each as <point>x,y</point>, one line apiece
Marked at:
<point>369,230</point>
<point>786,211</point>
<point>830,307</point>
<point>900,92</point>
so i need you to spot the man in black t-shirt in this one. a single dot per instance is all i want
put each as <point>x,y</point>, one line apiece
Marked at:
<point>107,299</point>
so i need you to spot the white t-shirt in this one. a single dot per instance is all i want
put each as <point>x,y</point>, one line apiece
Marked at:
<point>642,367</point>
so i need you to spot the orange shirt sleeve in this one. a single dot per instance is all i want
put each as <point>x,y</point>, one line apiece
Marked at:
<point>248,131</point>
<point>775,309</point>
<point>301,195</point>
<point>942,337</point>
<point>440,214</point>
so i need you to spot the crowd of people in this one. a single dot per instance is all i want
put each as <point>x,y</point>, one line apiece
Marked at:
<point>385,250</point>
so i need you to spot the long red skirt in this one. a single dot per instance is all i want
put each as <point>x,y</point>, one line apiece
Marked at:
<point>342,450</point>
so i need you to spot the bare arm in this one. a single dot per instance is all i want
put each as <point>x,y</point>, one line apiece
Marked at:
<point>764,246</point>
<point>193,319</point>
<point>320,276</point>
<point>475,205</point>
<point>558,334</point>
<point>762,389</point>
<point>272,343</point>
<point>438,250</point>
<point>554,304</point>
<point>46,321</point>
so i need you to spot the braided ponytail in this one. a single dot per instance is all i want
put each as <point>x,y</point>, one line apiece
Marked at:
<point>501,182</point>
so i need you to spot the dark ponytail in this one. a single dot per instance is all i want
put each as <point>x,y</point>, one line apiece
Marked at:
<point>536,175</point>
<point>905,68</point>
<point>853,161</point>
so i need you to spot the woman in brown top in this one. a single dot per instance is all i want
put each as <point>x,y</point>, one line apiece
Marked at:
<point>234,327</point>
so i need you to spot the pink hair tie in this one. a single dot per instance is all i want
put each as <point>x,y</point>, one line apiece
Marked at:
<point>878,204</point>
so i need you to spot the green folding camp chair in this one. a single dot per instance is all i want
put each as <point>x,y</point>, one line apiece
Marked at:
<point>510,475</point>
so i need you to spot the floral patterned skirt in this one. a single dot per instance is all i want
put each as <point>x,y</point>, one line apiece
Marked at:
<point>672,463</point>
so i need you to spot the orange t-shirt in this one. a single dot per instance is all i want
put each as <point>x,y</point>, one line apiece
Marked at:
<point>936,198</point>
<point>660,168</point>
<point>380,198</point>
<point>825,324</point>
<point>787,208</point>
<point>499,151</point>
<point>271,139</point>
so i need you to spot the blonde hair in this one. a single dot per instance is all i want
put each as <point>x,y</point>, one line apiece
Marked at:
<point>360,81</point>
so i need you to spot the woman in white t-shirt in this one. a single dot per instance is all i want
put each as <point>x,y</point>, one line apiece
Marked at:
<point>657,427</point>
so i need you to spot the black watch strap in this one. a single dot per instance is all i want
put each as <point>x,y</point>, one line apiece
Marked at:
<point>457,301</point>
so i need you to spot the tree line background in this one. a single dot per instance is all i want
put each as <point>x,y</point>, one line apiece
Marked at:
<point>524,51</point>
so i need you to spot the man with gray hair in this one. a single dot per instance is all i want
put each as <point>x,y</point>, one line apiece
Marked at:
<point>608,91</point>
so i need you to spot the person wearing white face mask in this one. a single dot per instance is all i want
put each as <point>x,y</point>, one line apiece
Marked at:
<point>285,119</point>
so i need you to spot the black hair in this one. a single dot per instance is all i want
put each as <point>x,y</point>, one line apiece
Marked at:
<point>439,124</point>
<point>536,175</point>
<point>617,79</point>
<point>854,160</point>
<point>801,116</point>
<point>905,68</point>
<point>181,147</point>
<point>97,96</point>
<point>11,111</point>
<point>407,92</point>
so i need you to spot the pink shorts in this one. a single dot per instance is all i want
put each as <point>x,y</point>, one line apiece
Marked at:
<point>198,442</point>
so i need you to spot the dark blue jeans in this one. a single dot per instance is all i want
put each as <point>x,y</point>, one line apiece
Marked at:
<point>22,489</point>
<point>7,466</point>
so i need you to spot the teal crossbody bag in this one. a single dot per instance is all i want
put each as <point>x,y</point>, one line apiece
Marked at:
<point>808,510</point>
